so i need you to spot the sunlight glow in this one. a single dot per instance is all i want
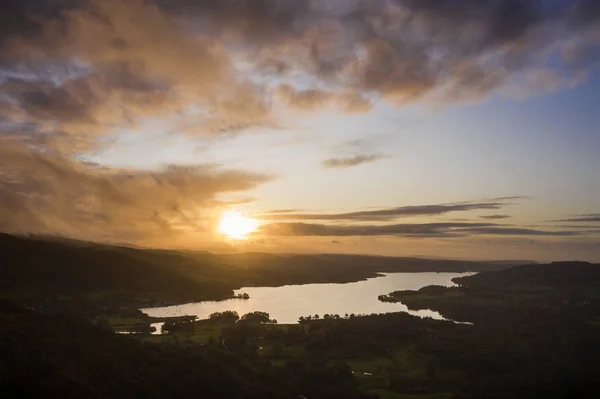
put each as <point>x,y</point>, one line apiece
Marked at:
<point>236,226</point>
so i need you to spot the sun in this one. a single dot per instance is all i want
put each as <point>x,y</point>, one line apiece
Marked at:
<point>236,226</point>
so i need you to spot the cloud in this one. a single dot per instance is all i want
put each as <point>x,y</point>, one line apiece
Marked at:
<point>588,218</point>
<point>581,226</point>
<point>495,217</point>
<point>424,230</point>
<point>517,231</point>
<point>306,229</point>
<point>307,100</point>
<point>98,66</point>
<point>279,211</point>
<point>387,214</point>
<point>317,100</point>
<point>231,203</point>
<point>76,73</point>
<point>45,193</point>
<point>351,161</point>
<point>514,197</point>
<point>93,66</point>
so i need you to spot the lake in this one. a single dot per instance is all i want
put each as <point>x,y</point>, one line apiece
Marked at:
<point>286,304</point>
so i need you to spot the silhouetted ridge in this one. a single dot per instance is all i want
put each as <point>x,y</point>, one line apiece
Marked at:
<point>82,273</point>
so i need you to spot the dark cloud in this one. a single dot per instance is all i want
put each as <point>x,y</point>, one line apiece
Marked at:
<point>307,229</point>
<point>516,231</point>
<point>389,213</point>
<point>425,230</point>
<point>589,218</point>
<point>25,17</point>
<point>495,217</point>
<point>581,226</point>
<point>351,161</point>
<point>101,67</point>
<point>85,108</point>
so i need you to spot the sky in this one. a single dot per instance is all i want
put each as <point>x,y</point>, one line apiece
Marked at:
<point>458,129</point>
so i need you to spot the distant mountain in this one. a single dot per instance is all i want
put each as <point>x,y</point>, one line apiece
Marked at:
<point>512,262</point>
<point>414,265</point>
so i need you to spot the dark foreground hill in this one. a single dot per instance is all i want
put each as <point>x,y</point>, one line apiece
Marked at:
<point>54,356</point>
<point>43,269</point>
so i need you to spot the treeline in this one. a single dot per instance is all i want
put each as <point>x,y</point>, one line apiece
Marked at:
<point>190,324</point>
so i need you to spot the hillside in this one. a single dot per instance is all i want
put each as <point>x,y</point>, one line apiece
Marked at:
<point>42,271</point>
<point>560,275</point>
<point>46,268</point>
<point>518,293</point>
<point>56,356</point>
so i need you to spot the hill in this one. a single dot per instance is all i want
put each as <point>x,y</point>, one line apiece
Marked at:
<point>58,356</point>
<point>522,292</point>
<point>51,272</point>
<point>34,268</point>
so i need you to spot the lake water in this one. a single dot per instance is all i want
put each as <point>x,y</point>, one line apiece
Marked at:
<point>286,304</point>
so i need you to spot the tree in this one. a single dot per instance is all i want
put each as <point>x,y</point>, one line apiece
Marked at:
<point>179,325</point>
<point>228,316</point>
<point>256,317</point>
